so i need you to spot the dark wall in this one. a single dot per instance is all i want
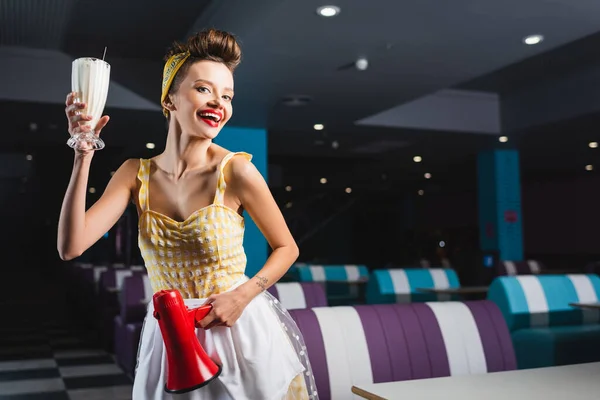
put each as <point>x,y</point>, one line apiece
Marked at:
<point>561,217</point>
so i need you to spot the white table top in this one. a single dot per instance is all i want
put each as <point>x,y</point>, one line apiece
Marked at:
<point>572,382</point>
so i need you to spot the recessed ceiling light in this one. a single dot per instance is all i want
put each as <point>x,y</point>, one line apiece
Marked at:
<point>417,159</point>
<point>593,145</point>
<point>29,157</point>
<point>348,190</point>
<point>503,139</point>
<point>289,205</point>
<point>288,188</point>
<point>427,175</point>
<point>328,11</point>
<point>361,64</point>
<point>533,39</point>
<point>589,167</point>
<point>319,127</point>
<point>421,192</point>
<point>150,145</point>
<point>323,180</point>
<point>92,190</point>
<point>112,173</point>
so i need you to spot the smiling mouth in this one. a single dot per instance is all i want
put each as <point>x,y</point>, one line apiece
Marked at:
<point>210,116</point>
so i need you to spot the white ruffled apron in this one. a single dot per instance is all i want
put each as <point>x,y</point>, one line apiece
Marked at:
<point>260,356</point>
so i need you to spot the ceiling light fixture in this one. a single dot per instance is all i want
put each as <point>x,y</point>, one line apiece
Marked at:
<point>417,159</point>
<point>533,39</point>
<point>589,167</point>
<point>427,175</point>
<point>503,139</point>
<point>150,146</point>
<point>348,190</point>
<point>328,11</point>
<point>92,190</point>
<point>288,188</point>
<point>318,127</point>
<point>323,180</point>
<point>361,64</point>
<point>421,192</point>
<point>593,145</point>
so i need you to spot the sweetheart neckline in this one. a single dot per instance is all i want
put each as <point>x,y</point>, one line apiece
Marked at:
<point>193,214</point>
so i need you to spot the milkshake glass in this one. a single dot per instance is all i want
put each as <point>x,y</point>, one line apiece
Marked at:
<point>90,78</point>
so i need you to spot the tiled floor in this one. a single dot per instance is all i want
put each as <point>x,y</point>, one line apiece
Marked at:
<point>45,355</point>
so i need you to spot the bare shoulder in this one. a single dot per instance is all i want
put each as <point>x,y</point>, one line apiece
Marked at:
<point>131,164</point>
<point>127,172</point>
<point>241,171</point>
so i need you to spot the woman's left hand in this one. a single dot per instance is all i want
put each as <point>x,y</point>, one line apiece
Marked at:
<point>227,308</point>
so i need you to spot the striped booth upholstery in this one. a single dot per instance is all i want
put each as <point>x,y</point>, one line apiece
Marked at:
<point>293,295</point>
<point>545,329</point>
<point>511,268</point>
<point>400,285</point>
<point>108,305</point>
<point>342,282</point>
<point>324,273</point>
<point>367,344</point>
<point>134,296</point>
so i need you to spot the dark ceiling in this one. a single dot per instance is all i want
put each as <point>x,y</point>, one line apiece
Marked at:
<point>414,49</point>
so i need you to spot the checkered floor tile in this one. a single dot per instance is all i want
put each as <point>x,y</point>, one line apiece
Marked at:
<point>45,355</point>
<point>57,364</point>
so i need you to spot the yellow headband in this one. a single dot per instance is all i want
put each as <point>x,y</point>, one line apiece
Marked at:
<point>171,67</point>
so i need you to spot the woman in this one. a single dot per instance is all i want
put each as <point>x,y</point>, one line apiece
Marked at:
<point>190,200</point>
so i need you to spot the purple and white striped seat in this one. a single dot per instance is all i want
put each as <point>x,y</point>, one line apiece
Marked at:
<point>396,342</point>
<point>294,295</point>
<point>135,294</point>
<point>112,280</point>
<point>108,304</point>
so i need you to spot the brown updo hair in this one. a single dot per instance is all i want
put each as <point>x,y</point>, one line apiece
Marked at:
<point>211,45</point>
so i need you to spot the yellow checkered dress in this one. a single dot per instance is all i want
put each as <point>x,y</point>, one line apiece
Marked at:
<point>200,256</point>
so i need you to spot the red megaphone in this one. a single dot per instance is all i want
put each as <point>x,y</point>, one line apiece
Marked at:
<point>188,365</point>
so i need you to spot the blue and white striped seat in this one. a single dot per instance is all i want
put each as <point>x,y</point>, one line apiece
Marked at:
<point>510,268</point>
<point>400,285</point>
<point>325,273</point>
<point>545,329</point>
<point>342,282</point>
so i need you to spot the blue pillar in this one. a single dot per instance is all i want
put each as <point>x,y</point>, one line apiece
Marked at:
<point>253,141</point>
<point>500,218</point>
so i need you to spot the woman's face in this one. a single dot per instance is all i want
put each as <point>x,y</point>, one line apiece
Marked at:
<point>202,103</point>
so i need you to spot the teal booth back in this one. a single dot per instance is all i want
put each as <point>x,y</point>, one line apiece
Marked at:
<point>400,285</point>
<point>543,300</point>
<point>324,273</point>
<point>344,284</point>
<point>545,329</point>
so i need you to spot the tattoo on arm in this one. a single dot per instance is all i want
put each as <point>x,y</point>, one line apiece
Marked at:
<point>262,282</point>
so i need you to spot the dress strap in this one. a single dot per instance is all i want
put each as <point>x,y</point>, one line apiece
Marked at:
<point>221,184</point>
<point>143,175</point>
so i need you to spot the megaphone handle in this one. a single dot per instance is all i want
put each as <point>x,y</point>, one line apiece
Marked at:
<point>200,313</point>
